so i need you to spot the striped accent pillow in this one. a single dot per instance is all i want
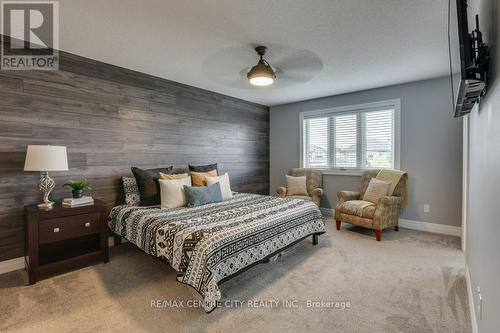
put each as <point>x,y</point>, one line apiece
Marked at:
<point>376,190</point>
<point>131,191</point>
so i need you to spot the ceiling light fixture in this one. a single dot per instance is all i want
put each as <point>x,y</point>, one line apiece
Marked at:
<point>261,74</point>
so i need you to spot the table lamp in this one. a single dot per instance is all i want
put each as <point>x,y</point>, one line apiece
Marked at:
<point>45,159</point>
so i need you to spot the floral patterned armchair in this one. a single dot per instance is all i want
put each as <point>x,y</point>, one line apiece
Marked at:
<point>314,183</point>
<point>376,217</point>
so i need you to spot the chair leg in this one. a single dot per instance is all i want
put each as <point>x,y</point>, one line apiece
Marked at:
<point>378,235</point>
<point>396,228</point>
<point>338,224</point>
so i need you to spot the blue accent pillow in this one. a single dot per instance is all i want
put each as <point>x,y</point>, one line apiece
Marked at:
<point>202,195</point>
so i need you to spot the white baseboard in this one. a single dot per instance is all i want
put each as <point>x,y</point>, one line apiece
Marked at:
<point>11,265</point>
<point>472,307</point>
<point>431,227</point>
<point>18,263</point>
<point>415,225</point>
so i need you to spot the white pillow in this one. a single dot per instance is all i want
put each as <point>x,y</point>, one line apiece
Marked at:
<point>172,192</point>
<point>296,185</point>
<point>225,186</point>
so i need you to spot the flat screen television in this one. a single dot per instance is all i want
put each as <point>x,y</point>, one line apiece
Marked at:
<point>468,59</point>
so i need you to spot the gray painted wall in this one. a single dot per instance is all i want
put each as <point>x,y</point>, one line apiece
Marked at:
<point>483,225</point>
<point>431,147</point>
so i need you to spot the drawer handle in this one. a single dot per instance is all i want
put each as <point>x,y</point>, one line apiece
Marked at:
<point>87,225</point>
<point>56,230</point>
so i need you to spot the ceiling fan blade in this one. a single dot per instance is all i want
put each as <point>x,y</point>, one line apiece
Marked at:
<point>230,66</point>
<point>298,77</point>
<point>230,60</point>
<point>301,59</point>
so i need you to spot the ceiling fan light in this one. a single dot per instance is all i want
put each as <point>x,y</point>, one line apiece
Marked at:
<point>261,81</point>
<point>261,74</point>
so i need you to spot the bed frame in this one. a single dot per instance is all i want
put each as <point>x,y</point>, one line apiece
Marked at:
<point>265,260</point>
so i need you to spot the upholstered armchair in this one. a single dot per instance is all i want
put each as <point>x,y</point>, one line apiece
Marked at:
<point>377,217</point>
<point>314,183</point>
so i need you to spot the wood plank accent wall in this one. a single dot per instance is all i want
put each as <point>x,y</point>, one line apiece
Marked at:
<point>110,119</point>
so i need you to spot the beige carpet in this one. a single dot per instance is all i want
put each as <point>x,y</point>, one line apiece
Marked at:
<point>410,282</point>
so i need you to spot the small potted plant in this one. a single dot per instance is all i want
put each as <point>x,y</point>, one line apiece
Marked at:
<point>78,186</point>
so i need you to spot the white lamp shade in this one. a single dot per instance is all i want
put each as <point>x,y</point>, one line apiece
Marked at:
<point>46,158</point>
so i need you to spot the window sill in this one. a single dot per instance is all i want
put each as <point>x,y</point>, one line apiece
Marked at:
<point>339,172</point>
<point>342,173</point>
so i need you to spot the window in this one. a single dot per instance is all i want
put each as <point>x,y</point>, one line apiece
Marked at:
<point>351,138</point>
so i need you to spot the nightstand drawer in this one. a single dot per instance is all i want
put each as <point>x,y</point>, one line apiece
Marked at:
<point>62,228</point>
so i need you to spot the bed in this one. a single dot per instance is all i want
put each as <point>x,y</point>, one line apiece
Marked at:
<point>207,245</point>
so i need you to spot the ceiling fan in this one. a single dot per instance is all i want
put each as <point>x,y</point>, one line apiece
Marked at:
<point>262,74</point>
<point>278,66</point>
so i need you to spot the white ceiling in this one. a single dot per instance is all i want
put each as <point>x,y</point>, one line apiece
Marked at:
<point>360,44</point>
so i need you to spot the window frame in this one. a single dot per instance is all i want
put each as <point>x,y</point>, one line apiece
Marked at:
<point>391,103</point>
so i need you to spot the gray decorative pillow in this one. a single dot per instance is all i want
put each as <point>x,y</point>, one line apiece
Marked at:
<point>131,191</point>
<point>203,168</point>
<point>147,183</point>
<point>202,195</point>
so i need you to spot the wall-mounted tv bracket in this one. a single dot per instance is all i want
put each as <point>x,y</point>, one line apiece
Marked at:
<point>480,56</point>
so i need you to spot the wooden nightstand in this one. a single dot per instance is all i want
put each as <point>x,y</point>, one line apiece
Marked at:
<point>63,239</point>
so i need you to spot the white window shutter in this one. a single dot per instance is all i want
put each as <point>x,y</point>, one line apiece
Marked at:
<point>363,138</point>
<point>316,143</point>
<point>345,137</point>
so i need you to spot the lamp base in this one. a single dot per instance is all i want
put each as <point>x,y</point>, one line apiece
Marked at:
<point>46,185</point>
<point>46,205</point>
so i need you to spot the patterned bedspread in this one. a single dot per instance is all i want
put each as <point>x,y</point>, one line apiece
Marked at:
<point>208,243</point>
